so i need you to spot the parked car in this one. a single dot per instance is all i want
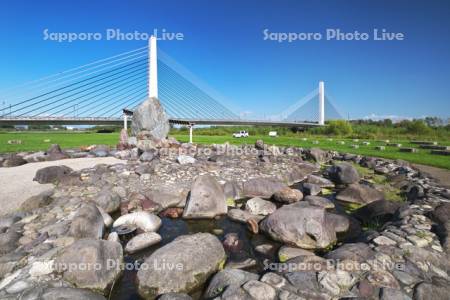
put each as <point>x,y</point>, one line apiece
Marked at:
<point>240,134</point>
<point>273,134</point>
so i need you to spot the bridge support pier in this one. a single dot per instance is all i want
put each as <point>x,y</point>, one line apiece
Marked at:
<point>191,128</point>
<point>125,122</point>
<point>321,103</point>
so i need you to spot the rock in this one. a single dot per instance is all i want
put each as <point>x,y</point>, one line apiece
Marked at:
<point>206,200</point>
<point>262,187</point>
<point>320,181</point>
<point>185,159</point>
<point>438,289</point>
<point>384,241</point>
<point>258,206</point>
<point>381,210</point>
<point>343,173</point>
<point>259,144</point>
<point>123,141</point>
<point>311,189</point>
<point>108,200</point>
<point>9,240</point>
<point>168,197</point>
<point>145,221</point>
<point>148,156</point>
<point>259,290</point>
<point>104,258</point>
<point>300,224</point>
<point>150,116</point>
<point>359,252</point>
<point>51,174</point>
<point>13,160</point>
<point>172,212</point>
<point>175,296</point>
<point>243,216</point>
<point>39,268</point>
<point>100,151</point>
<point>227,281</point>
<point>193,259</point>
<point>55,153</point>
<point>232,243</point>
<point>393,294</point>
<point>339,222</point>
<point>319,201</point>
<point>142,241</point>
<point>286,253</point>
<point>232,190</point>
<point>288,195</point>
<point>38,201</point>
<point>107,220</point>
<point>318,155</point>
<point>336,282</point>
<point>87,223</point>
<point>360,194</point>
<point>67,293</point>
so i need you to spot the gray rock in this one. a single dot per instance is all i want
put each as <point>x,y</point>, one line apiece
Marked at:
<point>206,200</point>
<point>168,197</point>
<point>319,201</point>
<point>175,296</point>
<point>193,259</point>
<point>142,241</point>
<point>358,252</point>
<point>150,116</point>
<point>360,194</point>
<point>258,206</point>
<point>300,224</point>
<point>438,289</point>
<point>382,210</point>
<point>55,153</point>
<point>243,216</point>
<point>108,200</point>
<point>259,144</point>
<point>288,195</point>
<point>259,290</point>
<point>87,223</point>
<point>232,190</point>
<point>320,181</point>
<point>262,187</point>
<point>9,240</point>
<point>339,222</point>
<point>343,173</point>
<point>318,155</point>
<point>286,253</point>
<point>228,279</point>
<point>311,189</point>
<point>67,293</point>
<point>51,174</point>
<point>38,201</point>
<point>13,160</point>
<point>148,156</point>
<point>393,294</point>
<point>104,258</point>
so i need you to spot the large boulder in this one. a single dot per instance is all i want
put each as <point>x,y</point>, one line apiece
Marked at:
<point>258,206</point>
<point>51,174</point>
<point>229,282</point>
<point>67,293</point>
<point>55,153</point>
<point>359,194</point>
<point>150,116</point>
<point>320,181</point>
<point>288,195</point>
<point>206,200</point>
<point>300,224</point>
<point>262,187</point>
<point>37,201</point>
<point>145,221</point>
<point>181,266</point>
<point>98,264</point>
<point>343,173</point>
<point>87,223</point>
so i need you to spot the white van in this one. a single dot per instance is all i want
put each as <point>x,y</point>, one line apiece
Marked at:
<point>240,134</point>
<point>273,134</point>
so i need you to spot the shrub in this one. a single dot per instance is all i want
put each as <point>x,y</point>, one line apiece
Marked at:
<point>339,127</point>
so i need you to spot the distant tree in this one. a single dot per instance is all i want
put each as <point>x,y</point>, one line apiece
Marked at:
<point>417,127</point>
<point>339,127</point>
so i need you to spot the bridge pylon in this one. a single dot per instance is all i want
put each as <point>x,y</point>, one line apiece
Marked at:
<point>321,103</point>
<point>152,68</point>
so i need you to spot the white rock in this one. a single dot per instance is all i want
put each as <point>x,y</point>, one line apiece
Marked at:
<point>8,279</point>
<point>18,287</point>
<point>382,240</point>
<point>185,159</point>
<point>114,237</point>
<point>146,221</point>
<point>142,241</point>
<point>40,268</point>
<point>258,206</point>
<point>107,220</point>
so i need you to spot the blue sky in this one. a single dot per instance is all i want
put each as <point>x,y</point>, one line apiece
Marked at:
<point>223,44</point>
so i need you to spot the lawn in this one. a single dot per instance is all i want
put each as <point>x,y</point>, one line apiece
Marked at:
<point>33,141</point>
<point>422,157</point>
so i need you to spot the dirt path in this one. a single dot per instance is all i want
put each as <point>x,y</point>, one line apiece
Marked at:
<point>441,175</point>
<point>17,185</point>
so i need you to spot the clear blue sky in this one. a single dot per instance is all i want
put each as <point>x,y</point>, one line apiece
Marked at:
<point>223,44</point>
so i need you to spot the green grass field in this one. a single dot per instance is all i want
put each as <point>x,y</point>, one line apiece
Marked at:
<point>33,141</point>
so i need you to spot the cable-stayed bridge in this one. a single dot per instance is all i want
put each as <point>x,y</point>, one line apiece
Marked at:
<point>106,91</point>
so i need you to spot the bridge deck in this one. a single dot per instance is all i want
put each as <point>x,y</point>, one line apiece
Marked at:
<point>119,121</point>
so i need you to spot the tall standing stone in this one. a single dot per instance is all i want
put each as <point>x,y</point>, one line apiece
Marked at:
<point>151,117</point>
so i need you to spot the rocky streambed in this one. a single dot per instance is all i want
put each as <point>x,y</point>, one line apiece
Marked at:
<point>227,222</point>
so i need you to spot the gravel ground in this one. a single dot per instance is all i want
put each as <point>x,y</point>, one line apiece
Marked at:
<point>441,175</point>
<point>17,185</point>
